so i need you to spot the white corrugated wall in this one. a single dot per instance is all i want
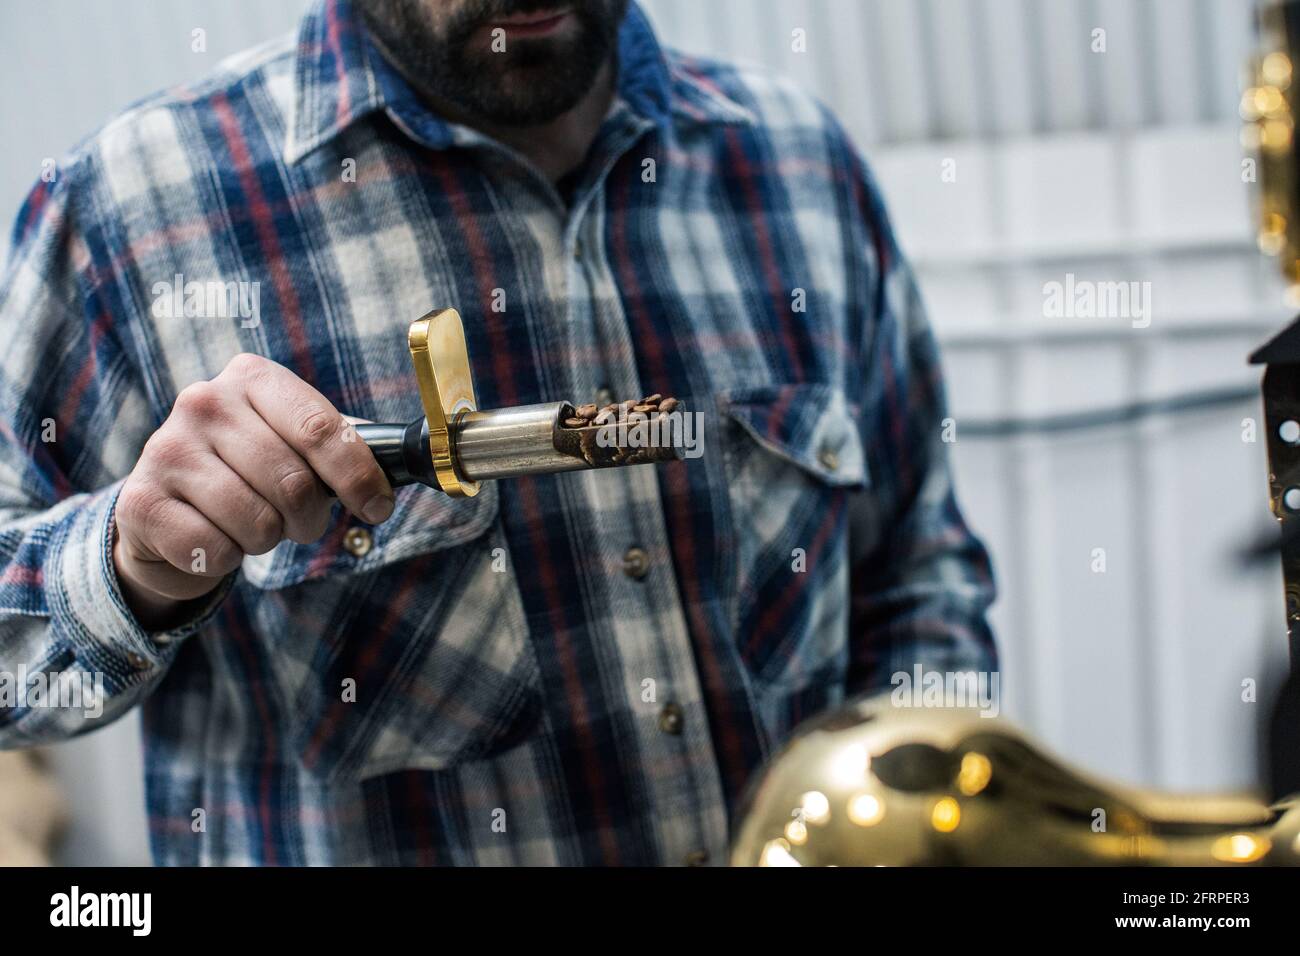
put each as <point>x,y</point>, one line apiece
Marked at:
<point>1120,165</point>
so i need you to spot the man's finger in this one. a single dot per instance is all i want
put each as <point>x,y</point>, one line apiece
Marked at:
<point>313,427</point>
<point>257,453</point>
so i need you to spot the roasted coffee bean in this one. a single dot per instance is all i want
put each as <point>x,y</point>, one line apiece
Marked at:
<point>588,446</point>
<point>589,415</point>
<point>591,429</point>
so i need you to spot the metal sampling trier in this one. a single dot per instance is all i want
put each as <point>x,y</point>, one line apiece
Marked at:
<point>456,445</point>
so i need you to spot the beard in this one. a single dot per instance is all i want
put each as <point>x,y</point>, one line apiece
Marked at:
<point>446,49</point>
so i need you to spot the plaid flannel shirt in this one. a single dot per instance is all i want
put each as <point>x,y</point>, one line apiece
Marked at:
<point>485,684</point>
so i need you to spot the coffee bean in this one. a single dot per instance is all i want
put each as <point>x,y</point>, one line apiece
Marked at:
<point>583,425</point>
<point>589,419</point>
<point>588,446</point>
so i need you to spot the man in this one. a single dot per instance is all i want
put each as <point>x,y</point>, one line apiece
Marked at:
<point>570,669</point>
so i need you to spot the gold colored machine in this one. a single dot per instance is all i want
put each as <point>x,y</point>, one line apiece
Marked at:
<point>876,784</point>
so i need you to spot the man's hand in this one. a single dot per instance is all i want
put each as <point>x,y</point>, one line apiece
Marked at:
<point>237,467</point>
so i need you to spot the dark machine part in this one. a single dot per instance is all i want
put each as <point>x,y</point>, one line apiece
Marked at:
<point>1281,393</point>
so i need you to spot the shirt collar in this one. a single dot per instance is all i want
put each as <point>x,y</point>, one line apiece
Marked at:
<point>339,78</point>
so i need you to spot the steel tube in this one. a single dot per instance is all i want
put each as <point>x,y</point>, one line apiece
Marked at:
<point>506,442</point>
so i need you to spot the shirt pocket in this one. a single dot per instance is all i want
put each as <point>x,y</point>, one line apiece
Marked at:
<point>793,458</point>
<point>411,655</point>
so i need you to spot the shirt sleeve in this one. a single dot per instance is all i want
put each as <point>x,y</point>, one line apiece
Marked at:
<point>73,419</point>
<point>920,579</point>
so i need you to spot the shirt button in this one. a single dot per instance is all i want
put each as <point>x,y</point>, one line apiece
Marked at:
<point>636,563</point>
<point>358,542</point>
<point>697,858</point>
<point>829,457</point>
<point>137,661</point>
<point>604,396</point>
<point>671,719</point>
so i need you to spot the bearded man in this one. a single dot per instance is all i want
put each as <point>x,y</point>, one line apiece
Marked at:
<point>581,668</point>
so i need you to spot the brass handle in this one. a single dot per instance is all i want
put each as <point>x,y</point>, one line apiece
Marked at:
<point>437,345</point>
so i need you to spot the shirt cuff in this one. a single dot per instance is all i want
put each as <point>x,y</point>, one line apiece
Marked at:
<point>86,599</point>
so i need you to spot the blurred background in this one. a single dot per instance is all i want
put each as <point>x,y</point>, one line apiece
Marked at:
<point>1017,146</point>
